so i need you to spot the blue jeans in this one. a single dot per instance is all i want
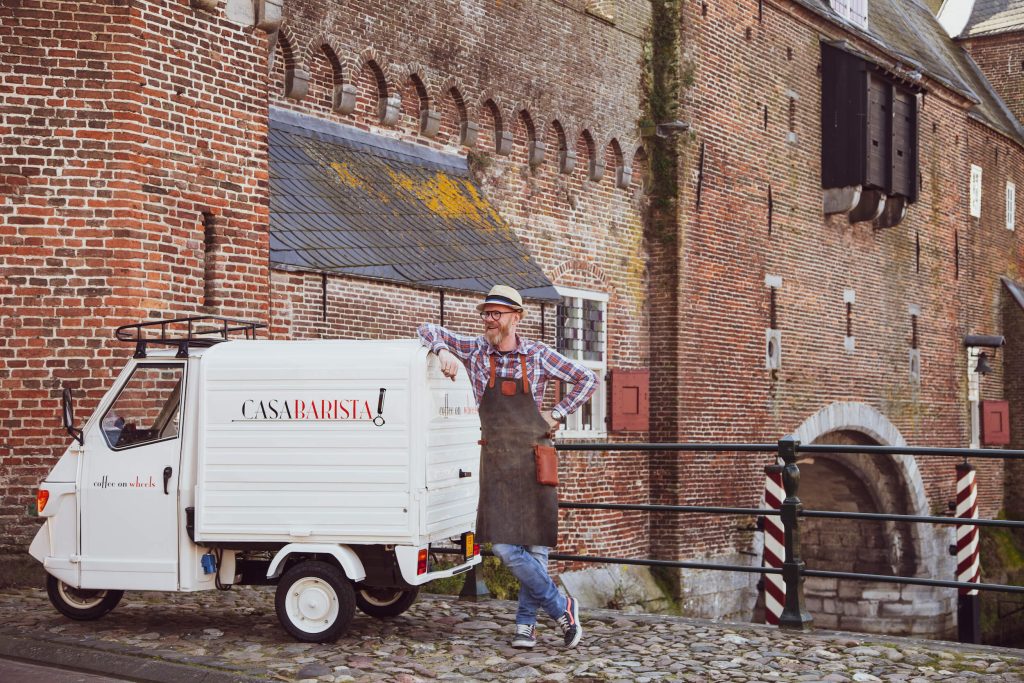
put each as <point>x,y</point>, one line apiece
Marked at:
<point>529,564</point>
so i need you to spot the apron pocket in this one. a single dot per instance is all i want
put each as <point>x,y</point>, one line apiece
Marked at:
<point>547,464</point>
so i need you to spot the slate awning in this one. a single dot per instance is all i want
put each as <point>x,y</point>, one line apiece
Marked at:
<point>350,202</point>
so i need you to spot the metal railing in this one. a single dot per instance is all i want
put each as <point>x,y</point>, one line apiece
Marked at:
<point>794,614</point>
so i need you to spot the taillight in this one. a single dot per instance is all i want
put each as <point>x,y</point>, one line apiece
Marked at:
<point>421,562</point>
<point>42,496</point>
<point>476,549</point>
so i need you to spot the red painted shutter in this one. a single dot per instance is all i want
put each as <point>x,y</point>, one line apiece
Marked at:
<point>630,407</point>
<point>995,423</point>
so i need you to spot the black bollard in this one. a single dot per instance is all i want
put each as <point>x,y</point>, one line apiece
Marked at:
<point>794,613</point>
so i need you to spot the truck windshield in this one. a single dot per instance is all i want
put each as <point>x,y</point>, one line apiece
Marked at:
<point>147,409</point>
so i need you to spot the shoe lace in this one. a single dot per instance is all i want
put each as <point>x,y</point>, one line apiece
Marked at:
<point>564,622</point>
<point>524,630</point>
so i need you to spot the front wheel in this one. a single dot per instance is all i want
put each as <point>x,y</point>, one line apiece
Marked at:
<point>315,602</point>
<point>80,603</point>
<point>385,602</point>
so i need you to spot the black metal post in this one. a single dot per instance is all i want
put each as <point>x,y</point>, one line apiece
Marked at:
<point>474,587</point>
<point>794,613</point>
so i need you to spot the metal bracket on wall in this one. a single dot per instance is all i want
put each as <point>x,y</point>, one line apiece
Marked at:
<point>700,175</point>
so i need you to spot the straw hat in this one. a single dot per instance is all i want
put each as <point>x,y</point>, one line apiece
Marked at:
<point>504,295</point>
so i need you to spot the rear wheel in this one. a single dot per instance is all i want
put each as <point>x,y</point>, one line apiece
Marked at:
<point>80,603</point>
<point>385,602</point>
<point>315,602</point>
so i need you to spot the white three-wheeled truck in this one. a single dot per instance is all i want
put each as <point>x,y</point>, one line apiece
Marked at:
<point>333,469</point>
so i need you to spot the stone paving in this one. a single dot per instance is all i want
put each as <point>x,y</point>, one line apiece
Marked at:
<point>443,638</point>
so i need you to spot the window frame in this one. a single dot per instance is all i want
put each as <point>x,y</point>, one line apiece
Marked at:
<point>974,208</point>
<point>853,11</point>
<point>572,427</point>
<point>1011,205</point>
<point>181,367</point>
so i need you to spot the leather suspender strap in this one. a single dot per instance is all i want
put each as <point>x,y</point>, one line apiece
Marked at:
<point>490,382</point>
<point>526,381</point>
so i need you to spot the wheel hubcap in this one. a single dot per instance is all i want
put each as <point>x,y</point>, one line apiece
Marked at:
<point>312,604</point>
<point>381,598</point>
<point>81,598</point>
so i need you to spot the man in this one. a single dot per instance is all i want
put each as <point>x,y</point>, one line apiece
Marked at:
<point>516,514</point>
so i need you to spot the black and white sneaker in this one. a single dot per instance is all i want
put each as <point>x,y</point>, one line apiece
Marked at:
<point>526,636</point>
<point>570,623</point>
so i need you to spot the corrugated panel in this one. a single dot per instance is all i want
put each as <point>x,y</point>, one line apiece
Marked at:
<point>349,202</point>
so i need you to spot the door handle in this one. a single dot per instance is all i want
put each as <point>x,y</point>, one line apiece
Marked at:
<point>167,478</point>
<point>463,474</point>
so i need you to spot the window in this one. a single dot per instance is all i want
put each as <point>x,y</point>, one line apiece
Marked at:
<point>1011,205</point>
<point>854,11</point>
<point>582,336</point>
<point>976,191</point>
<point>147,409</point>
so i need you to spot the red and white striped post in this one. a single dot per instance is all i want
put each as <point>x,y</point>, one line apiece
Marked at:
<point>968,567</point>
<point>774,546</point>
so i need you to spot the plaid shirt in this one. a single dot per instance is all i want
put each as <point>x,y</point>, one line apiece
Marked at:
<point>542,364</point>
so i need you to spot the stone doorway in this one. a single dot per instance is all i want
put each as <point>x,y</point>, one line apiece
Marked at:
<point>856,482</point>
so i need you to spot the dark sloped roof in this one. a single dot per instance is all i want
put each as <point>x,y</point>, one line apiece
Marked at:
<point>994,16</point>
<point>907,30</point>
<point>350,202</point>
<point>1015,290</point>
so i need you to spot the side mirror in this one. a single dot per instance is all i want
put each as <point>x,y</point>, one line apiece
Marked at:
<point>68,412</point>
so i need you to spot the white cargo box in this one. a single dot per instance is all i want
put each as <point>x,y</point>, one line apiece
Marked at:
<point>335,442</point>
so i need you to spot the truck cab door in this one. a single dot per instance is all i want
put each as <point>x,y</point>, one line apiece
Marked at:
<point>129,484</point>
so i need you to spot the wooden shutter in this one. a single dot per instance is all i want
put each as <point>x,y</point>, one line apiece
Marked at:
<point>904,144</point>
<point>630,406</point>
<point>879,133</point>
<point>995,423</point>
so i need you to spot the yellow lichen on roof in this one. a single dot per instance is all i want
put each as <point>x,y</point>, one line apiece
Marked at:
<point>346,176</point>
<point>449,198</point>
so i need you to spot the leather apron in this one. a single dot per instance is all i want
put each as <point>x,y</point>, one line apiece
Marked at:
<point>513,507</point>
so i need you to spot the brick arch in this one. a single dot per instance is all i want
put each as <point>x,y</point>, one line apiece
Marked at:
<point>500,134</point>
<point>615,161</point>
<point>557,140</point>
<point>327,46</point>
<point>595,156</point>
<point>450,103</point>
<point>640,164</point>
<point>524,136</point>
<point>341,95</point>
<point>413,82</point>
<point>384,105</point>
<point>583,266</point>
<point>868,483</point>
<point>295,75</point>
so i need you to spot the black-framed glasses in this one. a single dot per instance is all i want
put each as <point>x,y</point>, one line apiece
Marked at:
<point>494,315</point>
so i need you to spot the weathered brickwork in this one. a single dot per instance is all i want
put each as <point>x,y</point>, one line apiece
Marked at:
<point>755,108</point>
<point>121,124</point>
<point>133,184</point>
<point>1001,58</point>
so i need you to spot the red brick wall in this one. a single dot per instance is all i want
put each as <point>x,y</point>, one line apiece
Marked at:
<point>727,249</point>
<point>1001,59</point>
<point>120,124</point>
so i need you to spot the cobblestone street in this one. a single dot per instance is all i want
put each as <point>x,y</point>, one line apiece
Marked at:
<point>442,638</point>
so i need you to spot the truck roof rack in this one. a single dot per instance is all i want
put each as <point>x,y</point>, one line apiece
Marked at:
<point>199,331</point>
